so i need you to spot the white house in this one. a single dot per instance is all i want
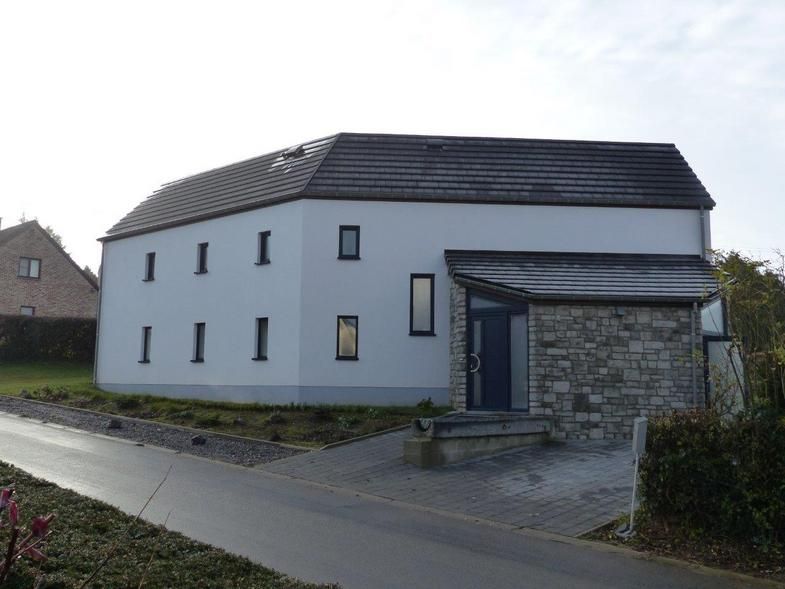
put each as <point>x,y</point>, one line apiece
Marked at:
<point>560,278</point>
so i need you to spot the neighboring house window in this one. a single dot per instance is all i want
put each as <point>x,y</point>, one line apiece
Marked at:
<point>260,352</point>
<point>346,338</point>
<point>199,329</point>
<point>201,258</point>
<point>263,251</point>
<point>29,267</point>
<point>421,304</point>
<point>24,310</point>
<point>349,242</point>
<point>146,335</point>
<point>149,267</point>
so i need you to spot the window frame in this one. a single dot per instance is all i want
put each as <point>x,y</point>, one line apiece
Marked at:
<point>21,311</point>
<point>149,267</point>
<point>432,330</point>
<point>263,248</point>
<point>201,257</point>
<point>338,355</point>
<point>200,336</point>
<point>348,228</point>
<point>28,276</point>
<point>147,334</point>
<point>258,356</point>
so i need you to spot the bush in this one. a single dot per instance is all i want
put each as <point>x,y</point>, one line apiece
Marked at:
<point>43,338</point>
<point>717,475</point>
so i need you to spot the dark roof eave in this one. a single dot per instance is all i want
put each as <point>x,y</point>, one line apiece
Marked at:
<point>522,294</point>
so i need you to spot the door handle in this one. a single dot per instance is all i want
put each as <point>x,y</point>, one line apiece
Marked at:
<point>479,363</point>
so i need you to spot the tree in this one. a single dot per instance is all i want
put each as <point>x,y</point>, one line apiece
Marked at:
<point>754,292</point>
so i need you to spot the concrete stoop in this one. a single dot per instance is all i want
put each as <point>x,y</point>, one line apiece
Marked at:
<point>460,436</point>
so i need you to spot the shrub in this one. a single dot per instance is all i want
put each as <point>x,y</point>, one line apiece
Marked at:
<point>211,420</point>
<point>43,338</point>
<point>717,475</point>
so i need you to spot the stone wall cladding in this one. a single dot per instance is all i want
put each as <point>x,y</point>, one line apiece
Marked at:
<point>457,346</point>
<point>595,367</point>
<point>61,290</point>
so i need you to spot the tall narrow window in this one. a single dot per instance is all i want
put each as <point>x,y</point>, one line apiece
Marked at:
<point>149,267</point>
<point>146,335</point>
<point>25,310</point>
<point>421,304</point>
<point>29,268</point>
<point>260,353</point>
<point>263,252</point>
<point>346,338</point>
<point>201,258</point>
<point>349,242</point>
<point>199,329</point>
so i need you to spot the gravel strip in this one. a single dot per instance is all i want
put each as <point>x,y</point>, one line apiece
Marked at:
<point>218,447</point>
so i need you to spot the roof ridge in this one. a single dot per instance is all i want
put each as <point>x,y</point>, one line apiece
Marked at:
<point>335,138</point>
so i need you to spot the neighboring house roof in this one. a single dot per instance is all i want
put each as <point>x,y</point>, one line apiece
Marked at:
<point>6,235</point>
<point>432,169</point>
<point>586,277</point>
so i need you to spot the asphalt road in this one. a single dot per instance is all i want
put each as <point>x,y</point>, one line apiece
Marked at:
<point>322,534</point>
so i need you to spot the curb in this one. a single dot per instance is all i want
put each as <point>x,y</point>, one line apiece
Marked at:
<point>363,437</point>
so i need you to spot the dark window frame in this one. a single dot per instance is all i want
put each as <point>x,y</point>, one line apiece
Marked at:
<point>263,248</point>
<point>200,330</point>
<point>432,330</point>
<point>201,257</point>
<point>27,276</point>
<point>338,355</point>
<point>27,307</point>
<point>258,356</point>
<point>147,334</point>
<point>348,228</point>
<point>149,267</point>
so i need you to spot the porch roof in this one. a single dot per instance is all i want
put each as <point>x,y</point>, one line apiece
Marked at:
<point>586,277</point>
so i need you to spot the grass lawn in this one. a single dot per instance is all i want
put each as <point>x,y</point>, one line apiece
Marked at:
<point>85,530</point>
<point>69,384</point>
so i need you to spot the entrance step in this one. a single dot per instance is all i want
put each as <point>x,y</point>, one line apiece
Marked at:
<point>460,436</point>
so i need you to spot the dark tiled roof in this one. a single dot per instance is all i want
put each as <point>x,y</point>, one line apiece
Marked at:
<point>429,168</point>
<point>587,277</point>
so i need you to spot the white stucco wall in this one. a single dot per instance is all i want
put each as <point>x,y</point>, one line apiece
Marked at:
<point>307,286</point>
<point>228,299</point>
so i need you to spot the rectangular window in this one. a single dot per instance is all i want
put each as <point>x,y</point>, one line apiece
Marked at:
<point>29,267</point>
<point>349,242</point>
<point>263,253</point>
<point>346,338</point>
<point>199,329</point>
<point>201,258</point>
<point>260,353</point>
<point>149,267</point>
<point>144,357</point>
<point>421,304</point>
<point>25,310</point>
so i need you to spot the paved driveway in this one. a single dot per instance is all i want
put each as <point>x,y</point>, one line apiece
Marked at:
<point>328,535</point>
<point>566,488</point>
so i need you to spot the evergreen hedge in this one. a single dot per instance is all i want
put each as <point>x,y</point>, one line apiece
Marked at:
<point>25,338</point>
<point>717,475</point>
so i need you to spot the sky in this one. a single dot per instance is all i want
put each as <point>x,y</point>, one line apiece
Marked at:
<point>101,102</point>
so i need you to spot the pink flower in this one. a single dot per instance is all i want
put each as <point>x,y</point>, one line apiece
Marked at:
<point>13,513</point>
<point>40,525</point>
<point>5,497</point>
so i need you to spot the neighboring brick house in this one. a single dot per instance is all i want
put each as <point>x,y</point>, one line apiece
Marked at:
<point>38,277</point>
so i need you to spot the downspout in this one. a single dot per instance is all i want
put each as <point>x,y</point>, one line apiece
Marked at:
<point>693,314</point>
<point>98,314</point>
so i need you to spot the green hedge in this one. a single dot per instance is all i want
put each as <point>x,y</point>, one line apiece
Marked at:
<point>717,475</point>
<point>42,338</point>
